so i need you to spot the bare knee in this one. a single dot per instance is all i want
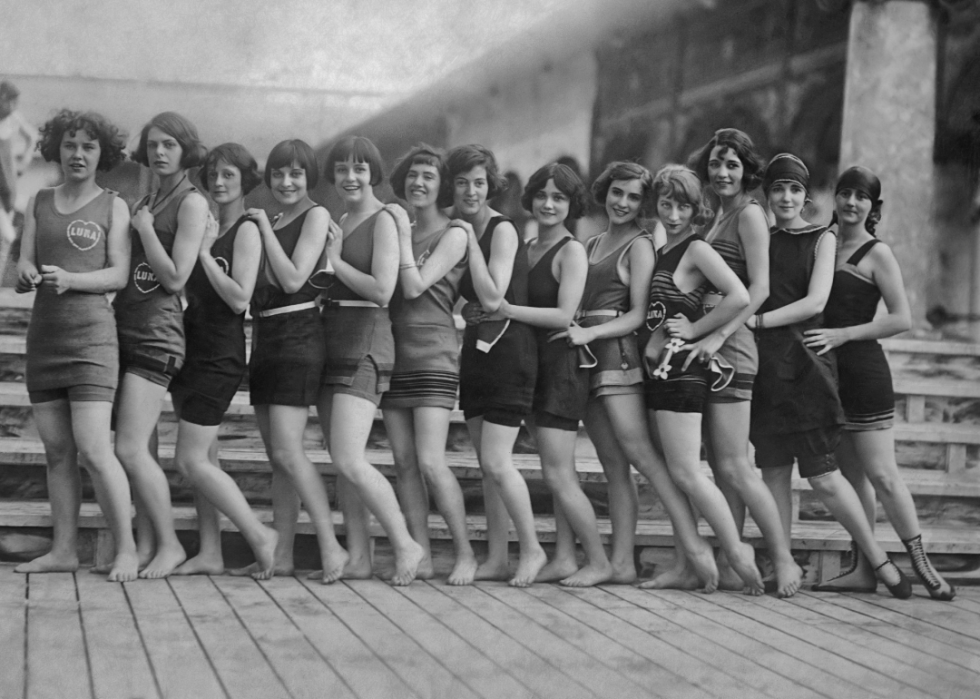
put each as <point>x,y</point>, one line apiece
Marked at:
<point>557,478</point>
<point>736,473</point>
<point>129,451</point>
<point>94,458</point>
<point>286,460</point>
<point>886,484</point>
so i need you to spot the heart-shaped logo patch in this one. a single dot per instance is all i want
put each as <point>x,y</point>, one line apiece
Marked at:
<point>656,315</point>
<point>144,278</point>
<point>84,235</point>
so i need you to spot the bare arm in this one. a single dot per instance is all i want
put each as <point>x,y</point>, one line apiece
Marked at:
<point>491,280</point>
<point>111,277</point>
<point>449,251</point>
<point>888,276</point>
<point>293,272</point>
<point>235,289</point>
<point>173,270</point>
<point>379,285</point>
<point>573,267</point>
<point>709,263</point>
<point>818,290</point>
<point>28,276</point>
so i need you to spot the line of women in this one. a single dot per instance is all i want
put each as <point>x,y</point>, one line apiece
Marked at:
<point>709,327</point>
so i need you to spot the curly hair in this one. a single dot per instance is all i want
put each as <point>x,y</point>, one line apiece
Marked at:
<point>566,181</point>
<point>682,184</point>
<point>625,170</point>
<point>112,140</point>
<point>462,159</point>
<point>238,157</point>
<point>743,147</point>
<point>360,149</point>
<point>180,128</point>
<point>424,154</point>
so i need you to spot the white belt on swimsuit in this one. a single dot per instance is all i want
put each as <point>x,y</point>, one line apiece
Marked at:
<point>353,303</point>
<point>608,312</point>
<point>287,309</point>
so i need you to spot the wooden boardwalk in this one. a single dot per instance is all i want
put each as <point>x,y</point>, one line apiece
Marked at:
<point>77,636</point>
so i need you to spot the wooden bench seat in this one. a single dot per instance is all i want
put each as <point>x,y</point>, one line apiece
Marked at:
<point>465,466</point>
<point>811,536</point>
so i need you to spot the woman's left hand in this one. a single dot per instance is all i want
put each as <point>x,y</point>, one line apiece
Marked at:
<point>56,278</point>
<point>825,339</point>
<point>335,242</point>
<point>680,326</point>
<point>402,222</point>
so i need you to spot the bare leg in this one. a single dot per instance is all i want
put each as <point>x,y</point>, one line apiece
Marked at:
<point>497,564</point>
<point>139,410</point>
<point>780,483</point>
<point>496,448</point>
<point>350,425</point>
<point>286,426</point>
<point>728,433</point>
<point>409,484</point>
<point>557,449</point>
<point>197,460</point>
<point>357,536</point>
<point>860,575</point>
<point>680,436</point>
<point>626,414</point>
<point>431,433</point>
<point>53,419</point>
<point>623,499</point>
<point>565,560</point>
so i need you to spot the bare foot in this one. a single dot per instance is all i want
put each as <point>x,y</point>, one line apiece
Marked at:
<point>703,561</point>
<point>265,555</point>
<point>789,576</point>
<point>683,578</point>
<point>589,575</point>
<point>728,579</point>
<point>201,565</point>
<point>253,569</point>
<point>49,563</point>
<point>125,568</point>
<point>358,569</point>
<point>742,560</point>
<point>557,569</point>
<point>334,560</point>
<point>164,562</point>
<point>623,574</point>
<point>528,567</point>
<point>464,571</point>
<point>425,570</point>
<point>407,564</point>
<point>145,553</point>
<point>492,570</point>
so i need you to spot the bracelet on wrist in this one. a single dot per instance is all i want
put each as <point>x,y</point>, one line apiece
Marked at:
<point>407,265</point>
<point>759,325</point>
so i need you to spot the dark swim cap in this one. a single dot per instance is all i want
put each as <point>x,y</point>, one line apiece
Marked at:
<point>786,167</point>
<point>860,179</point>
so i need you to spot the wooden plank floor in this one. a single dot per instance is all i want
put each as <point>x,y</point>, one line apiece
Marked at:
<point>65,635</point>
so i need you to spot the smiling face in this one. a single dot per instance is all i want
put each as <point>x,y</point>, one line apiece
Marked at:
<point>550,205</point>
<point>675,215</point>
<point>725,171</point>
<point>80,155</point>
<point>786,201</point>
<point>288,183</point>
<point>422,184</point>
<point>853,206</point>
<point>352,179</point>
<point>623,201</point>
<point>225,182</point>
<point>163,152</point>
<point>470,190</point>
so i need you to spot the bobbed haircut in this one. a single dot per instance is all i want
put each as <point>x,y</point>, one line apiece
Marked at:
<point>360,150</point>
<point>682,184</point>
<point>192,151</point>
<point>423,154</point>
<point>741,144</point>
<point>462,159</point>
<point>285,153</point>
<point>112,141</point>
<point>566,181</point>
<point>237,156</point>
<point>625,170</point>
